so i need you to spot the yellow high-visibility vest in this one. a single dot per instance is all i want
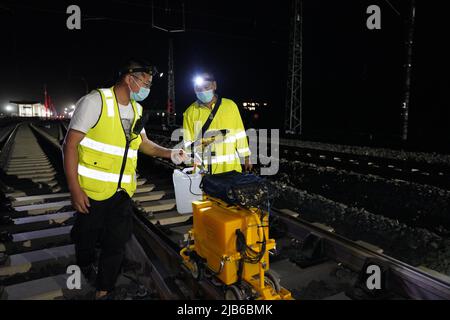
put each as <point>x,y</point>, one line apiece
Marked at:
<point>101,154</point>
<point>235,146</point>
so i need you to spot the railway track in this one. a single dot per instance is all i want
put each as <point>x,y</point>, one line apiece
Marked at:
<point>338,256</point>
<point>311,259</point>
<point>36,219</point>
<point>434,174</point>
<point>431,174</point>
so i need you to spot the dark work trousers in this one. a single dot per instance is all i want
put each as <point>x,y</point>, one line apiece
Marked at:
<point>109,224</point>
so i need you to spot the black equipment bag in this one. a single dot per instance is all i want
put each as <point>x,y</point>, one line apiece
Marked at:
<point>243,189</point>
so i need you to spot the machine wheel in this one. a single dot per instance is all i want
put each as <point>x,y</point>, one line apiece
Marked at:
<point>197,270</point>
<point>272,280</point>
<point>233,293</point>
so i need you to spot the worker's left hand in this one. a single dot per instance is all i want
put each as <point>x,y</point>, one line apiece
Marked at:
<point>178,156</point>
<point>248,166</point>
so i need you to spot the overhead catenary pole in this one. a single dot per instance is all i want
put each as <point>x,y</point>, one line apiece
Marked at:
<point>171,118</point>
<point>408,68</point>
<point>293,117</point>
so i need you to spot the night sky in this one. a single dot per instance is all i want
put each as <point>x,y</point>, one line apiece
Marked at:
<point>353,77</point>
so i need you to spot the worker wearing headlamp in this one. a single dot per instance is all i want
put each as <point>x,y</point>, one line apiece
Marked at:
<point>100,159</point>
<point>227,154</point>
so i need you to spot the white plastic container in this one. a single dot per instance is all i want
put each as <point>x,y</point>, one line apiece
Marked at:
<point>187,189</point>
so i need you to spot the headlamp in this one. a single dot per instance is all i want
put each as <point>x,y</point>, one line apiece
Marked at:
<point>201,81</point>
<point>151,70</point>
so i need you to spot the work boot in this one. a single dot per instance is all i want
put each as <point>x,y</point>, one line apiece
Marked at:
<point>90,274</point>
<point>116,294</point>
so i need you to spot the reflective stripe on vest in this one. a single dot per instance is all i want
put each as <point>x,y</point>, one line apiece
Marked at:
<point>101,152</point>
<point>109,96</point>
<point>221,159</point>
<point>101,175</point>
<point>244,150</point>
<point>107,148</point>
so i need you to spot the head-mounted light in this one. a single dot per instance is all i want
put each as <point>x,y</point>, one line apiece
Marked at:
<point>151,70</point>
<point>200,80</point>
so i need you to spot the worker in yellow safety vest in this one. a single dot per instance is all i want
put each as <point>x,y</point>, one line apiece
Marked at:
<point>232,151</point>
<point>100,158</point>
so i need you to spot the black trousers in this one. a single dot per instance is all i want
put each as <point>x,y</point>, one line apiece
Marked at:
<point>109,225</point>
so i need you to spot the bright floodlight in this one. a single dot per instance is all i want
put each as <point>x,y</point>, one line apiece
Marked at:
<point>199,81</point>
<point>9,108</point>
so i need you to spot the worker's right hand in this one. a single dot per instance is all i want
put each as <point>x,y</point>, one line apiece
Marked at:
<point>178,156</point>
<point>80,200</point>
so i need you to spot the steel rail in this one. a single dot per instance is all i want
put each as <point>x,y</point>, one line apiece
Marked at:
<point>170,261</point>
<point>404,279</point>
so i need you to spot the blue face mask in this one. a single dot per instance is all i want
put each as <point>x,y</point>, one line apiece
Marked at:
<point>141,95</point>
<point>205,96</point>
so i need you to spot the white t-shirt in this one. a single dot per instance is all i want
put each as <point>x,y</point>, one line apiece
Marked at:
<point>88,109</point>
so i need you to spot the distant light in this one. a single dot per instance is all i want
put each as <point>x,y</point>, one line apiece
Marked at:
<point>157,114</point>
<point>253,104</point>
<point>174,114</point>
<point>161,74</point>
<point>265,104</point>
<point>9,108</point>
<point>244,104</point>
<point>73,107</point>
<point>163,114</point>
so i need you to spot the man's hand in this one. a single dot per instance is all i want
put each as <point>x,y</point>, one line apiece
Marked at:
<point>154,150</point>
<point>178,156</point>
<point>80,200</point>
<point>248,166</point>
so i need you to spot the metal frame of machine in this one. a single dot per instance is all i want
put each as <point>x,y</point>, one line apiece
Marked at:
<point>229,245</point>
<point>212,251</point>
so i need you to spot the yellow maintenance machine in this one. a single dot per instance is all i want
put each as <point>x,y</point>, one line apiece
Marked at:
<point>233,244</point>
<point>230,244</point>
